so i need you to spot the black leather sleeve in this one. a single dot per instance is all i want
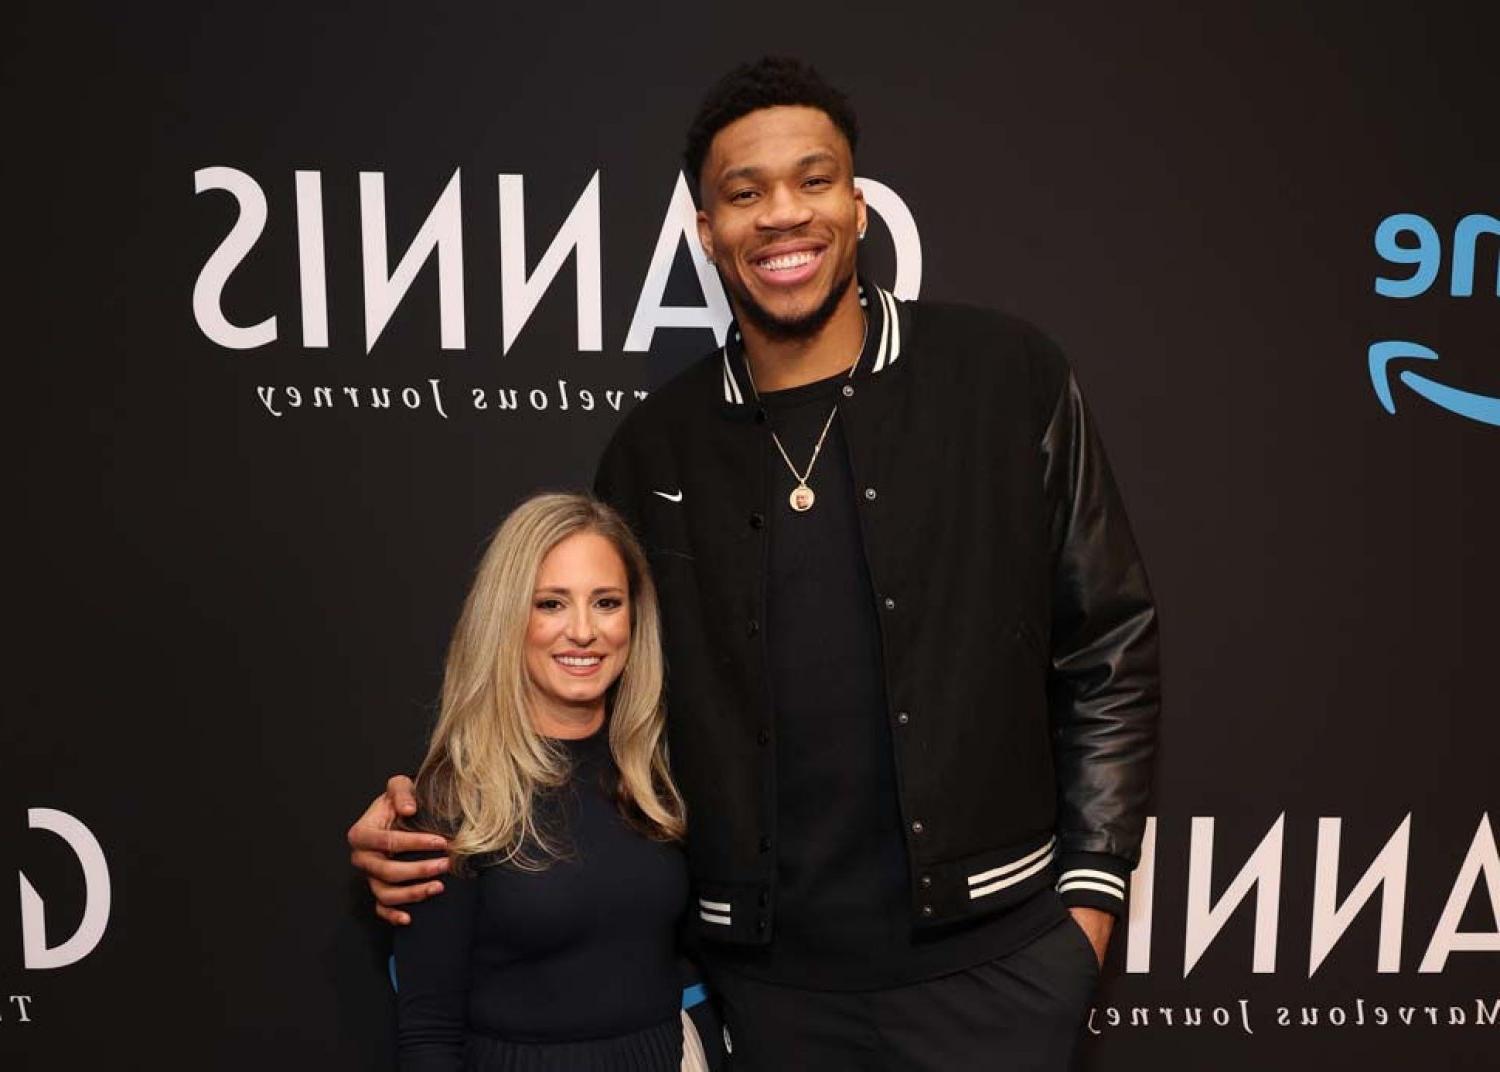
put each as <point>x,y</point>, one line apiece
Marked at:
<point>1104,686</point>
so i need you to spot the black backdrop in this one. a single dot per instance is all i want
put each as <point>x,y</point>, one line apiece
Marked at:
<point>227,626</point>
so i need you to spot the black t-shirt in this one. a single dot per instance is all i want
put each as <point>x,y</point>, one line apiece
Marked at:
<point>843,906</point>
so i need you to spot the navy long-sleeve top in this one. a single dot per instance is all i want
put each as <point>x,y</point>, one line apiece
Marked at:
<point>585,949</point>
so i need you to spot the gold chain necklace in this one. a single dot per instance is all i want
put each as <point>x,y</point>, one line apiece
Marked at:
<point>802,496</point>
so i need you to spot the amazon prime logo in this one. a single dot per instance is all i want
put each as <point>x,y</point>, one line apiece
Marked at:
<point>1408,239</point>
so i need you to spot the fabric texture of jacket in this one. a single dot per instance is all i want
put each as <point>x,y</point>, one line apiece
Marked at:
<point>1018,632</point>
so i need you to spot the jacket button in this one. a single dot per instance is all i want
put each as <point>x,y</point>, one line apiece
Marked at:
<point>917,827</point>
<point>763,738</point>
<point>765,844</point>
<point>890,604</point>
<point>757,520</point>
<point>903,718</point>
<point>760,415</point>
<point>763,898</point>
<point>848,390</point>
<point>870,494</point>
<point>926,881</point>
<point>927,911</point>
<point>760,925</point>
<point>752,628</point>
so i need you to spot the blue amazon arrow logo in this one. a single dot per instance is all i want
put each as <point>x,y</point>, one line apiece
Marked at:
<point>1465,403</point>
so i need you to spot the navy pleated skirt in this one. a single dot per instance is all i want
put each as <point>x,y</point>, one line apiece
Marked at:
<point>654,1049</point>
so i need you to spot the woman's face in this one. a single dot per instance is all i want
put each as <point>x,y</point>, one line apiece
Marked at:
<point>578,636</point>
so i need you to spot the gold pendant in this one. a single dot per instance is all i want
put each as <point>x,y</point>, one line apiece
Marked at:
<point>802,498</point>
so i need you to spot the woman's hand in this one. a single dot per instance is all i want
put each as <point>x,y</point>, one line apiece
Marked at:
<point>373,841</point>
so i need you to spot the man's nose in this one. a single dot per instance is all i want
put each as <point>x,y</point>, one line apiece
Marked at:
<point>782,209</point>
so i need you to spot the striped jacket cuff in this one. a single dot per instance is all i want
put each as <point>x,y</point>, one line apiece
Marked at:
<point>1093,880</point>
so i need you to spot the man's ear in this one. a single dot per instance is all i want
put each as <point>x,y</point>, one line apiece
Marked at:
<point>861,214</point>
<point>705,236</point>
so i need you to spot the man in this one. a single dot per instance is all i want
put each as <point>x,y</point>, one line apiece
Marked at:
<point>912,649</point>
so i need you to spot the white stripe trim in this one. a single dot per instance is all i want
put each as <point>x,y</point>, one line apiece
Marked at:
<point>709,917</point>
<point>885,329</point>
<point>996,872</point>
<point>1087,872</point>
<point>731,388</point>
<point>890,300</point>
<point>1041,865</point>
<point>1080,884</point>
<point>716,906</point>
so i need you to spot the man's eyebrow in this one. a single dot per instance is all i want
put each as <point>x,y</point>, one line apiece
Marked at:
<point>752,172</point>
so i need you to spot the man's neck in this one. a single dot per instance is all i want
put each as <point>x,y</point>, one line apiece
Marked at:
<point>779,364</point>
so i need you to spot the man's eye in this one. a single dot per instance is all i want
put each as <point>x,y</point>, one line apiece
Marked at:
<point>742,196</point>
<point>816,181</point>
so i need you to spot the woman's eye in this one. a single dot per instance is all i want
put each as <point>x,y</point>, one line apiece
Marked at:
<point>611,603</point>
<point>548,604</point>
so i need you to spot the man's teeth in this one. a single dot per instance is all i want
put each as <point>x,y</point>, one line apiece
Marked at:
<point>574,660</point>
<point>788,260</point>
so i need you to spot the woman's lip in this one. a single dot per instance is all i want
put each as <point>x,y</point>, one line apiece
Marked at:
<point>580,671</point>
<point>788,277</point>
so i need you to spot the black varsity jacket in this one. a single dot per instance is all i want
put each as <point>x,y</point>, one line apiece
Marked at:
<point>1018,631</point>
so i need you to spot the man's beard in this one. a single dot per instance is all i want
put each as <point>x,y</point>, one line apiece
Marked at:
<point>782,329</point>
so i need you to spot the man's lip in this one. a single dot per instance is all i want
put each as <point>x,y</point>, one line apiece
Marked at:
<point>788,277</point>
<point>781,249</point>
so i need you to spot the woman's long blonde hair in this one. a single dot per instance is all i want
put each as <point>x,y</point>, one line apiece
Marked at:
<point>486,762</point>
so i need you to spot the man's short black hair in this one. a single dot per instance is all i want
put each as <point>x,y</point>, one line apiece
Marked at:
<point>768,82</point>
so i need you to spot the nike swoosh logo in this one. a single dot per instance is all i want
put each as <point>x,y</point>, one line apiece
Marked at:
<point>669,498</point>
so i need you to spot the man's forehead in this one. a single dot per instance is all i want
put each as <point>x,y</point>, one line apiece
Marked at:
<point>784,135</point>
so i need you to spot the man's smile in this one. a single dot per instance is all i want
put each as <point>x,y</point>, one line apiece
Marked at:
<point>788,265</point>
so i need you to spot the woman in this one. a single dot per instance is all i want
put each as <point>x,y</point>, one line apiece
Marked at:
<point>553,946</point>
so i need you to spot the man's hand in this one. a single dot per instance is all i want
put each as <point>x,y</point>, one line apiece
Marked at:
<point>373,842</point>
<point>1097,927</point>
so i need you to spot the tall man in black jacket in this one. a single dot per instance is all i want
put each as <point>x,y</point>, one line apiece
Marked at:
<point>912,650</point>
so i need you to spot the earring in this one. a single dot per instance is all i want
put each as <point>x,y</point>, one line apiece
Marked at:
<point>861,236</point>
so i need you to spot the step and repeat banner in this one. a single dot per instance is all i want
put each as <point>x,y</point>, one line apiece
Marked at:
<point>301,299</point>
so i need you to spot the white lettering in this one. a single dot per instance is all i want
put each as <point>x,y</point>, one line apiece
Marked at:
<point>442,231</point>
<point>680,224</point>
<point>1481,858</point>
<point>1205,919</point>
<point>267,394</point>
<point>208,291</point>
<point>1387,873</point>
<point>1142,890</point>
<point>887,204</point>
<point>38,955</point>
<point>519,295</point>
<point>311,258</point>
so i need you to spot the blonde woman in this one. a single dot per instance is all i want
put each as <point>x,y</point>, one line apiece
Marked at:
<point>553,945</point>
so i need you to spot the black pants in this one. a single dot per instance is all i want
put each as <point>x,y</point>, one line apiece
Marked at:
<point>1021,1013</point>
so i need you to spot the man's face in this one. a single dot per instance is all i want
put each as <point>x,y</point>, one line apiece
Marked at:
<point>781,218</point>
